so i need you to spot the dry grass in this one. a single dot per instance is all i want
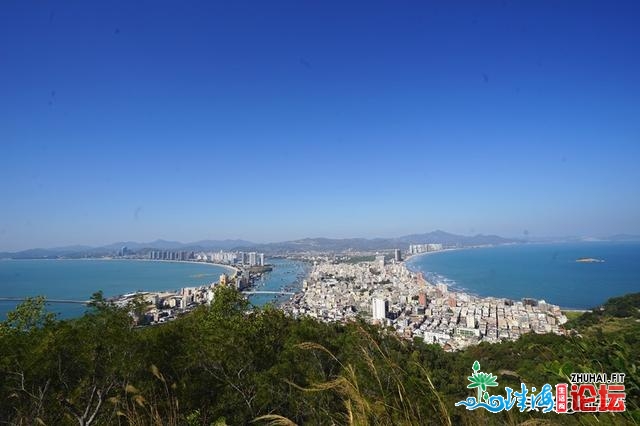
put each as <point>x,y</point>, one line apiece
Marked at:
<point>135,409</point>
<point>386,403</point>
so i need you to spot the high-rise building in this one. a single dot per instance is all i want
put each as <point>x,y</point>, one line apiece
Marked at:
<point>471,321</point>
<point>398,255</point>
<point>261,259</point>
<point>380,308</point>
<point>421,248</point>
<point>380,261</point>
<point>253,259</point>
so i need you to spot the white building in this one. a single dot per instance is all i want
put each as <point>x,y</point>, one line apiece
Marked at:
<point>380,308</point>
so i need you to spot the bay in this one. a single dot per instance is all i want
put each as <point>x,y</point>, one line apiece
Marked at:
<point>541,271</point>
<point>79,279</point>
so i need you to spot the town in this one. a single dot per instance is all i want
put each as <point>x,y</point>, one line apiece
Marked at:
<point>389,294</point>
<point>381,290</point>
<point>156,307</point>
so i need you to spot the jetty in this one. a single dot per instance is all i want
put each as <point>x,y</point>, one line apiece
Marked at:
<point>23,299</point>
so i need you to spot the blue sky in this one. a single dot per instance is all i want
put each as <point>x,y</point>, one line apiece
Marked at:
<point>275,120</point>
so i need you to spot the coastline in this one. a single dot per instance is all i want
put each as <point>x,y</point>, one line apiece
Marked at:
<point>221,265</point>
<point>228,269</point>
<point>77,279</point>
<point>415,308</point>
<point>514,272</point>
<point>412,268</point>
<point>414,257</point>
<point>93,259</point>
<point>418,255</point>
<point>285,279</point>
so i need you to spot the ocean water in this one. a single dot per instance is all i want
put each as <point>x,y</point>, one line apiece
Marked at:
<point>79,279</point>
<point>541,271</point>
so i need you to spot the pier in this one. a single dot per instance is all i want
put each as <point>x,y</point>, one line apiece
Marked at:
<point>23,299</point>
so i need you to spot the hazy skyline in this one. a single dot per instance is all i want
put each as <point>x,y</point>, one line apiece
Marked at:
<point>283,120</point>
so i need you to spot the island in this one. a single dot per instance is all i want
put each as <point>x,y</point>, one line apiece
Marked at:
<point>589,260</point>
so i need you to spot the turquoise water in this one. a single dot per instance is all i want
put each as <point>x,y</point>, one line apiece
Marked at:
<point>541,271</point>
<point>79,279</point>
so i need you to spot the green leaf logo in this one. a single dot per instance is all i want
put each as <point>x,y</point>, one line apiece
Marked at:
<point>481,381</point>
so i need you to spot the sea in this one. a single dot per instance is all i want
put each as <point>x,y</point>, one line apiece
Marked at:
<point>542,271</point>
<point>79,279</point>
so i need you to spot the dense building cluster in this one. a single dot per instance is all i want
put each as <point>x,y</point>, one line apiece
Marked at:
<point>424,248</point>
<point>159,307</point>
<point>391,295</point>
<point>224,257</point>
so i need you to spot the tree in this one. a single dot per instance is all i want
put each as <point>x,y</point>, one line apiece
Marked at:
<point>30,314</point>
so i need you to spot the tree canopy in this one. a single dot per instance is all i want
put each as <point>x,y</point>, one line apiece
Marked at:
<point>229,364</point>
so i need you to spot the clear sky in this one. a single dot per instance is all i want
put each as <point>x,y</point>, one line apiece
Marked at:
<point>269,121</point>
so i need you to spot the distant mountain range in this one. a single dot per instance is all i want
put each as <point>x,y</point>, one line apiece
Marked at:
<point>302,245</point>
<point>83,251</point>
<point>619,238</point>
<point>176,245</point>
<point>296,246</point>
<point>365,244</point>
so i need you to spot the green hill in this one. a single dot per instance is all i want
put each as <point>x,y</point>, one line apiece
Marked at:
<point>225,364</point>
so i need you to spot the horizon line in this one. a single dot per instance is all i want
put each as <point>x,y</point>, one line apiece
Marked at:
<point>524,238</point>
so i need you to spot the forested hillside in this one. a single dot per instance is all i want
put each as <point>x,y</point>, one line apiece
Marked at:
<point>226,364</point>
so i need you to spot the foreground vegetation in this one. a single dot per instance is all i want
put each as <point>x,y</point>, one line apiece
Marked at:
<point>224,365</point>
